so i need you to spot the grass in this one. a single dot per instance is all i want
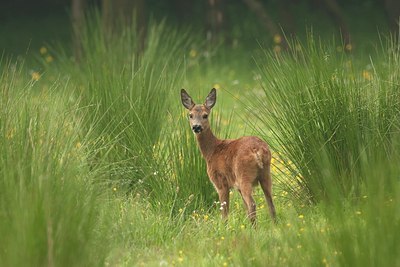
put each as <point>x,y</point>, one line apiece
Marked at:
<point>328,114</point>
<point>98,166</point>
<point>48,204</point>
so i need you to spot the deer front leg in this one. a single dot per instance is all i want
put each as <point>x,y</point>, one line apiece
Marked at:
<point>222,188</point>
<point>223,194</point>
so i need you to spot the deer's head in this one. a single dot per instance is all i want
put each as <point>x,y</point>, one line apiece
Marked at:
<point>198,113</point>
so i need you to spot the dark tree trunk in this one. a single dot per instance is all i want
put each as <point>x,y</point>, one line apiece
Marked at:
<point>336,13</point>
<point>183,9</point>
<point>215,20</point>
<point>139,7</point>
<point>262,14</point>
<point>77,17</point>
<point>116,13</point>
<point>285,11</point>
<point>392,8</point>
<point>107,17</point>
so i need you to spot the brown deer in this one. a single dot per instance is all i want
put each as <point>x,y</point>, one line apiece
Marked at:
<point>234,163</point>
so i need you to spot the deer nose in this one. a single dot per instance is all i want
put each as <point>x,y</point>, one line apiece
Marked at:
<point>197,128</point>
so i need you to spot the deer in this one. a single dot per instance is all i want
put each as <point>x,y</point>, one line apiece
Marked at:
<point>231,163</point>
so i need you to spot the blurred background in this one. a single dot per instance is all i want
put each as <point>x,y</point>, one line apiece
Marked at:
<point>28,25</point>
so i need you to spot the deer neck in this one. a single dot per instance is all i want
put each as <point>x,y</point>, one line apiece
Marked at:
<point>207,142</point>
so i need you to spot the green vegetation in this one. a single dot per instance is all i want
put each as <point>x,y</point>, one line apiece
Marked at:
<point>329,117</point>
<point>98,166</point>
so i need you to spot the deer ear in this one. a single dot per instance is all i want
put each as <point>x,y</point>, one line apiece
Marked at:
<point>211,99</point>
<point>187,101</point>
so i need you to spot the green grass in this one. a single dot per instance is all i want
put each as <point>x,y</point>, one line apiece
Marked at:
<point>49,206</point>
<point>327,114</point>
<point>98,166</point>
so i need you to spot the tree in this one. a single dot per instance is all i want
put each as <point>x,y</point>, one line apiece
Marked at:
<point>262,14</point>
<point>122,12</point>
<point>216,19</point>
<point>77,17</point>
<point>336,13</point>
<point>392,8</point>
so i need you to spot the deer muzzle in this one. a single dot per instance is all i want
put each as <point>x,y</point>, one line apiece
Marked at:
<point>197,128</point>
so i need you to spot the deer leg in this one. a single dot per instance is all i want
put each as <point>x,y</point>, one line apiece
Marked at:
<point>266,185</point>
<point>244,202</point>
<point>223,194</point>
<point>246,191</point>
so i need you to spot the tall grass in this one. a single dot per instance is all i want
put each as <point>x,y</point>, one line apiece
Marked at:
<point>49,210</point>
<point>127,94</point>
<point>326,110</point>
<point>371,237</point>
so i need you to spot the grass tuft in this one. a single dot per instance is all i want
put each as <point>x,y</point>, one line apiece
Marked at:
<point>326,113</point>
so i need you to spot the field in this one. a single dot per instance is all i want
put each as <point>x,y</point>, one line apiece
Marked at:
<point>98,166</point>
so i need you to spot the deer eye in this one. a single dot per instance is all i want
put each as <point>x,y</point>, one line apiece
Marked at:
<point>205,116</point>
<point>191,116</point>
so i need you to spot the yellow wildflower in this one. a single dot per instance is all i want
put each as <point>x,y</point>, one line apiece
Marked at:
<point>301,216</point>
<point>35,76</point>
<point>10,133</point>
<point>193,53</point>
<point>78,145</point>
<point>277,39</point>
<point>49,59</point>
<point>43,50</point>
<point>277,49</point>
<point>217,86</point>
<point>367,75</point>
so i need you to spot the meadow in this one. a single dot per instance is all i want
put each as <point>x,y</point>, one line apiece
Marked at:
<point>98,166</point>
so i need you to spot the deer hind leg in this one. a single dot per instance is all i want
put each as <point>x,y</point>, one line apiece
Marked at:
<point>266,185</point>
<point>246,191</point>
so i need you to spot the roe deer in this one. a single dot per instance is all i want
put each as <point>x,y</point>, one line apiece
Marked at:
<point>239,163</point>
